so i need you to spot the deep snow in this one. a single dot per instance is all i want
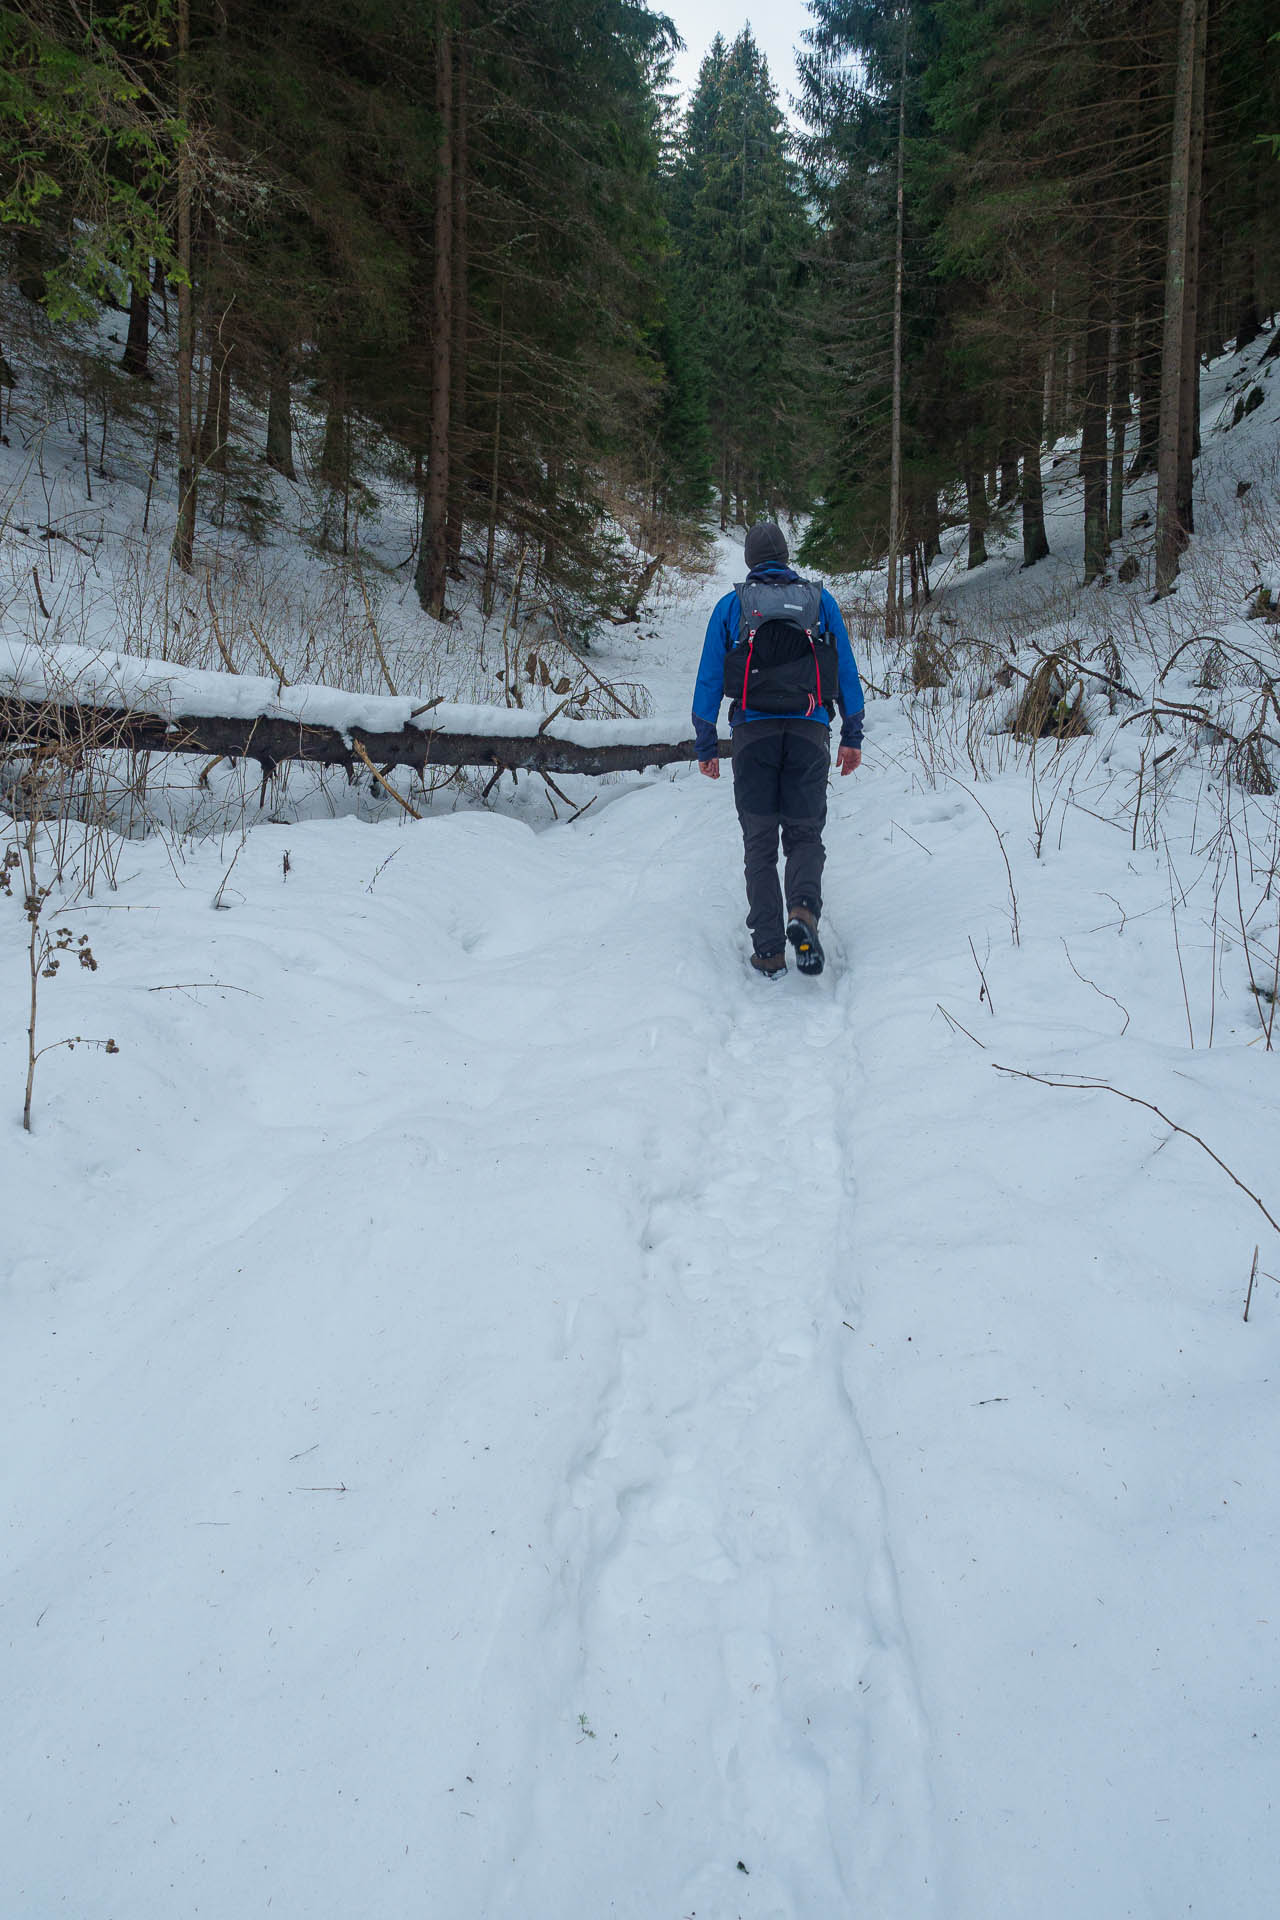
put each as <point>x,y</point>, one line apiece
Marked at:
<point>508,1415</point>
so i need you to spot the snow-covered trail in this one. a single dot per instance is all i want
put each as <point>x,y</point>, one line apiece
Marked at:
<point>459,1504</point>
<point>508,1416</point>
<point>713,1587</point>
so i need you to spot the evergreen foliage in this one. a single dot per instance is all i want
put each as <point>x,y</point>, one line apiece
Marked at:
<point>484,233</point>
<point>1037,218</point>
<point>743,244</point>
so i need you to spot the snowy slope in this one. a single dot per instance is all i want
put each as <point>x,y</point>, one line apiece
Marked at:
<point>509,1416</point>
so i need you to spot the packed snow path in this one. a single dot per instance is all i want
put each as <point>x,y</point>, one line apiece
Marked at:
<point>464,1502</point>
<point>508,1414</point>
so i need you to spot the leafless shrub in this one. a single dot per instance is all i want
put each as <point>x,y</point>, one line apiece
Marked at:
<point>1051,706</point>
<point>50,755</point>
<point>931,660</point>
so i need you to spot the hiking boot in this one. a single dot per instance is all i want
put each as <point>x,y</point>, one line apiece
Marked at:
<point>802,932</point>
<point>769,964</point>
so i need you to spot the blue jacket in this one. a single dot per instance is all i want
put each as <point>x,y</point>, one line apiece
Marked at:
<point>722,634</point>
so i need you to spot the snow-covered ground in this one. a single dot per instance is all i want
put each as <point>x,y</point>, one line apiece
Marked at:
<point>508,1416</point>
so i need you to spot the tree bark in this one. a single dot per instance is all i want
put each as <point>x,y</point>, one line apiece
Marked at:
<point>1248,319</point>
<point>979,515</point>
<point>217,411</point>
<point>28,263</point>
<point>1121,414</point>
<point>270,741</point>
<point>459,454</point>
<point>335,448</point>
<point>1189,372</point>
<point>895,455</point>
<point>1035,541</point>
<point>184,532</point>
<point>1148,379</point>
<point>1171,535</point>
<point>433,553</point>
<point>490,582</point>
<point>278,453</point>
<point>932,526</point>
<point>1093,438</point>
<point>138,340</point>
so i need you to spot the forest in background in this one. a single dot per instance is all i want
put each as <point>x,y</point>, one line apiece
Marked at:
<point>489,246</point>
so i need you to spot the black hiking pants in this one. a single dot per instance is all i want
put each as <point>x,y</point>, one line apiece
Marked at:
<point>780,770</point>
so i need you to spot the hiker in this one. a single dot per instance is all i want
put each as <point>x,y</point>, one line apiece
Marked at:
<point>778,647</point>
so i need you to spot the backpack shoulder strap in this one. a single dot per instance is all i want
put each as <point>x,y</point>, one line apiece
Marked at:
<point>813,590</point>
<point>798,602</point>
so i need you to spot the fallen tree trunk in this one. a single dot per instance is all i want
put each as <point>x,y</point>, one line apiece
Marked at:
<point>271,741</point>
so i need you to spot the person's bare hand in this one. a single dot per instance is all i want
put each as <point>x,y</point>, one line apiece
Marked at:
<point>710,767</point>
<point>849,759</point>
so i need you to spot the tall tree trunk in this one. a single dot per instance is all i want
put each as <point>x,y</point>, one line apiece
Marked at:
<point>1147,357</point>
<point>1189,374</point>
<point>279,448</point>
<point>335,449</point>
<point>491,541</point>
<point>1064,403</point>
<point>138,340</point>
<point>979,513</point>
<point>1035,541</point>
<point>1121,414</point>
<point>1048,419</point>
<point>1171,535</point>
<point>459,458</point>
<point>433,554</point>
<point>1248,314</point>
<point>217,411</point>
<point>932,525</point>
<point>895,455</point>
<point>184,533</point>
<point>1093,437</point>
<point>28,263</point>
<point>160,292</point>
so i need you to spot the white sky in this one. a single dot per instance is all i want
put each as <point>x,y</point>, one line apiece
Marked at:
<point>776,25</point>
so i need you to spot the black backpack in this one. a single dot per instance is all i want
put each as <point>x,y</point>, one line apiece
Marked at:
<point>783,662</point>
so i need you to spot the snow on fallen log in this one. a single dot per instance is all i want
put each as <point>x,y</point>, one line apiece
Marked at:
<point>56,694</point>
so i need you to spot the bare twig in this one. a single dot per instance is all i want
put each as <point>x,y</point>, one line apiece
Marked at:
<point>217,898</point>
<point>984,992</point>
<point>1177,947</point>
<point>381,869</point>
<point>1103,1086</point>
<point>227,661</point>
<point>1097,989</point>
<point>558,791</point>
<point>959,1024</point>
<point>373,628</point>
<point>190,986</point>
<point>383,782</point>
<point>1253,1274</point>
<point>911,837</point>
<point>269,657</point>
<point>1013,897</point>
